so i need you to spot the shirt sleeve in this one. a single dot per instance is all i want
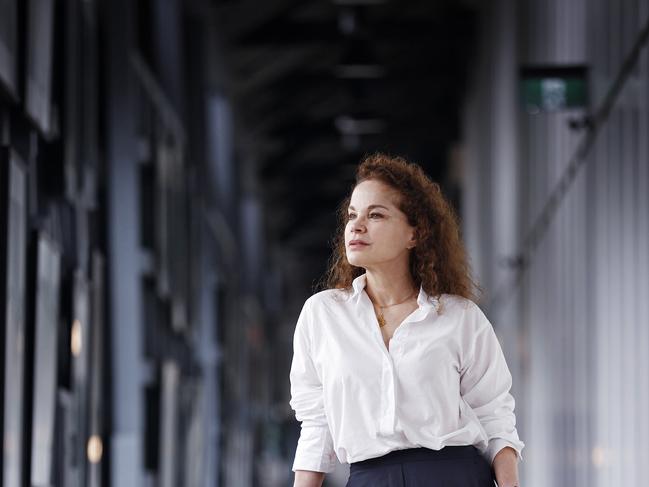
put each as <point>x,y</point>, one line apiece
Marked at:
<point>315,450</point>
<point>485,383</point>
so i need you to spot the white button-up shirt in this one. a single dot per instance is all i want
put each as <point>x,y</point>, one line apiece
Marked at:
<point>443,381</point>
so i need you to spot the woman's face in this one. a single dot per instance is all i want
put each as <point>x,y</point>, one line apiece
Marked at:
<point>377,232</point>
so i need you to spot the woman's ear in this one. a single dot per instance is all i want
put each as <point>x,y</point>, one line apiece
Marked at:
<point>412,243</point>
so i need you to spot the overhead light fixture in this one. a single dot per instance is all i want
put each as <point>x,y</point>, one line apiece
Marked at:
<point>350,125</point>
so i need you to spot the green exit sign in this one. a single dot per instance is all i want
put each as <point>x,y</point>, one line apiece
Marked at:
<point>554,88</point>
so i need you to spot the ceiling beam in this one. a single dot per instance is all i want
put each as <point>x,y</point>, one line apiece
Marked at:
<point>282,32</point>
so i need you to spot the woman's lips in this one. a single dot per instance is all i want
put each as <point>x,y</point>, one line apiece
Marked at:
<point>357,245</point>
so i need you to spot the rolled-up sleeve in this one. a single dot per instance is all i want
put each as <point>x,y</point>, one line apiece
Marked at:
<point>485,385</point>
<point>315,450</point>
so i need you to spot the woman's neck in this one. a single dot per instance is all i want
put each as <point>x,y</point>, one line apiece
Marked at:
<point>386,288</point>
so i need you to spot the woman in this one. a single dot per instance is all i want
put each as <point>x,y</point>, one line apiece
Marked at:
<point>395,370</point>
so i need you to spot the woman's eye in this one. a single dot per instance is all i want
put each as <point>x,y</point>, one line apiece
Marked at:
<point>351,216</point>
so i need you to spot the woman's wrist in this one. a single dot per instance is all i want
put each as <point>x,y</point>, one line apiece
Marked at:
<point>505,467</point>
<point>308,478</point>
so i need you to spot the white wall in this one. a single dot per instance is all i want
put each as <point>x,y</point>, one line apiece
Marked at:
<point>580,366</point>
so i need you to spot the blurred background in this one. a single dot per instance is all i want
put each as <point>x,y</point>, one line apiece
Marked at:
<point>169,173</point>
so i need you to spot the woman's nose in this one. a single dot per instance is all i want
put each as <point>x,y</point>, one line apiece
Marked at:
<point>357,225</point>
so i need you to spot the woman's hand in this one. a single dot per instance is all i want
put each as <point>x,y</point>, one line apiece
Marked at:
<point>307,478</point>
<point>505,466</point>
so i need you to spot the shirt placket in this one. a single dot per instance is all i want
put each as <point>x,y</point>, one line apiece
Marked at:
<point>388,415</point>
<point>388,399</point>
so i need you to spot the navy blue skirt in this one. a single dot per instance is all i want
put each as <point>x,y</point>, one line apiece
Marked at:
<point>452,466</point>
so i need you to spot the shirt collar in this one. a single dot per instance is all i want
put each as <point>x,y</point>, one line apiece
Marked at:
<point>358,285</point>
<point>423,299</point>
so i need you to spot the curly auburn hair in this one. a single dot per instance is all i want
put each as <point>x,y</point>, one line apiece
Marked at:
<point>439,261</point>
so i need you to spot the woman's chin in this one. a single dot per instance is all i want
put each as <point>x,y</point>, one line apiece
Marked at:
<point>355,261</point>
<point>358,262</point>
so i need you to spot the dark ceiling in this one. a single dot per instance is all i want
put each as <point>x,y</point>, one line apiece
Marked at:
<point>318,83</point>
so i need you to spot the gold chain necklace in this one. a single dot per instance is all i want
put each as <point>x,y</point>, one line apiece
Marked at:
<point>379,314</point>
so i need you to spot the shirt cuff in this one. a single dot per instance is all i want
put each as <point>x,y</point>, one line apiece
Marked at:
<point>498,444</point>
<point>313,465</point>
<point>315,450</point>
